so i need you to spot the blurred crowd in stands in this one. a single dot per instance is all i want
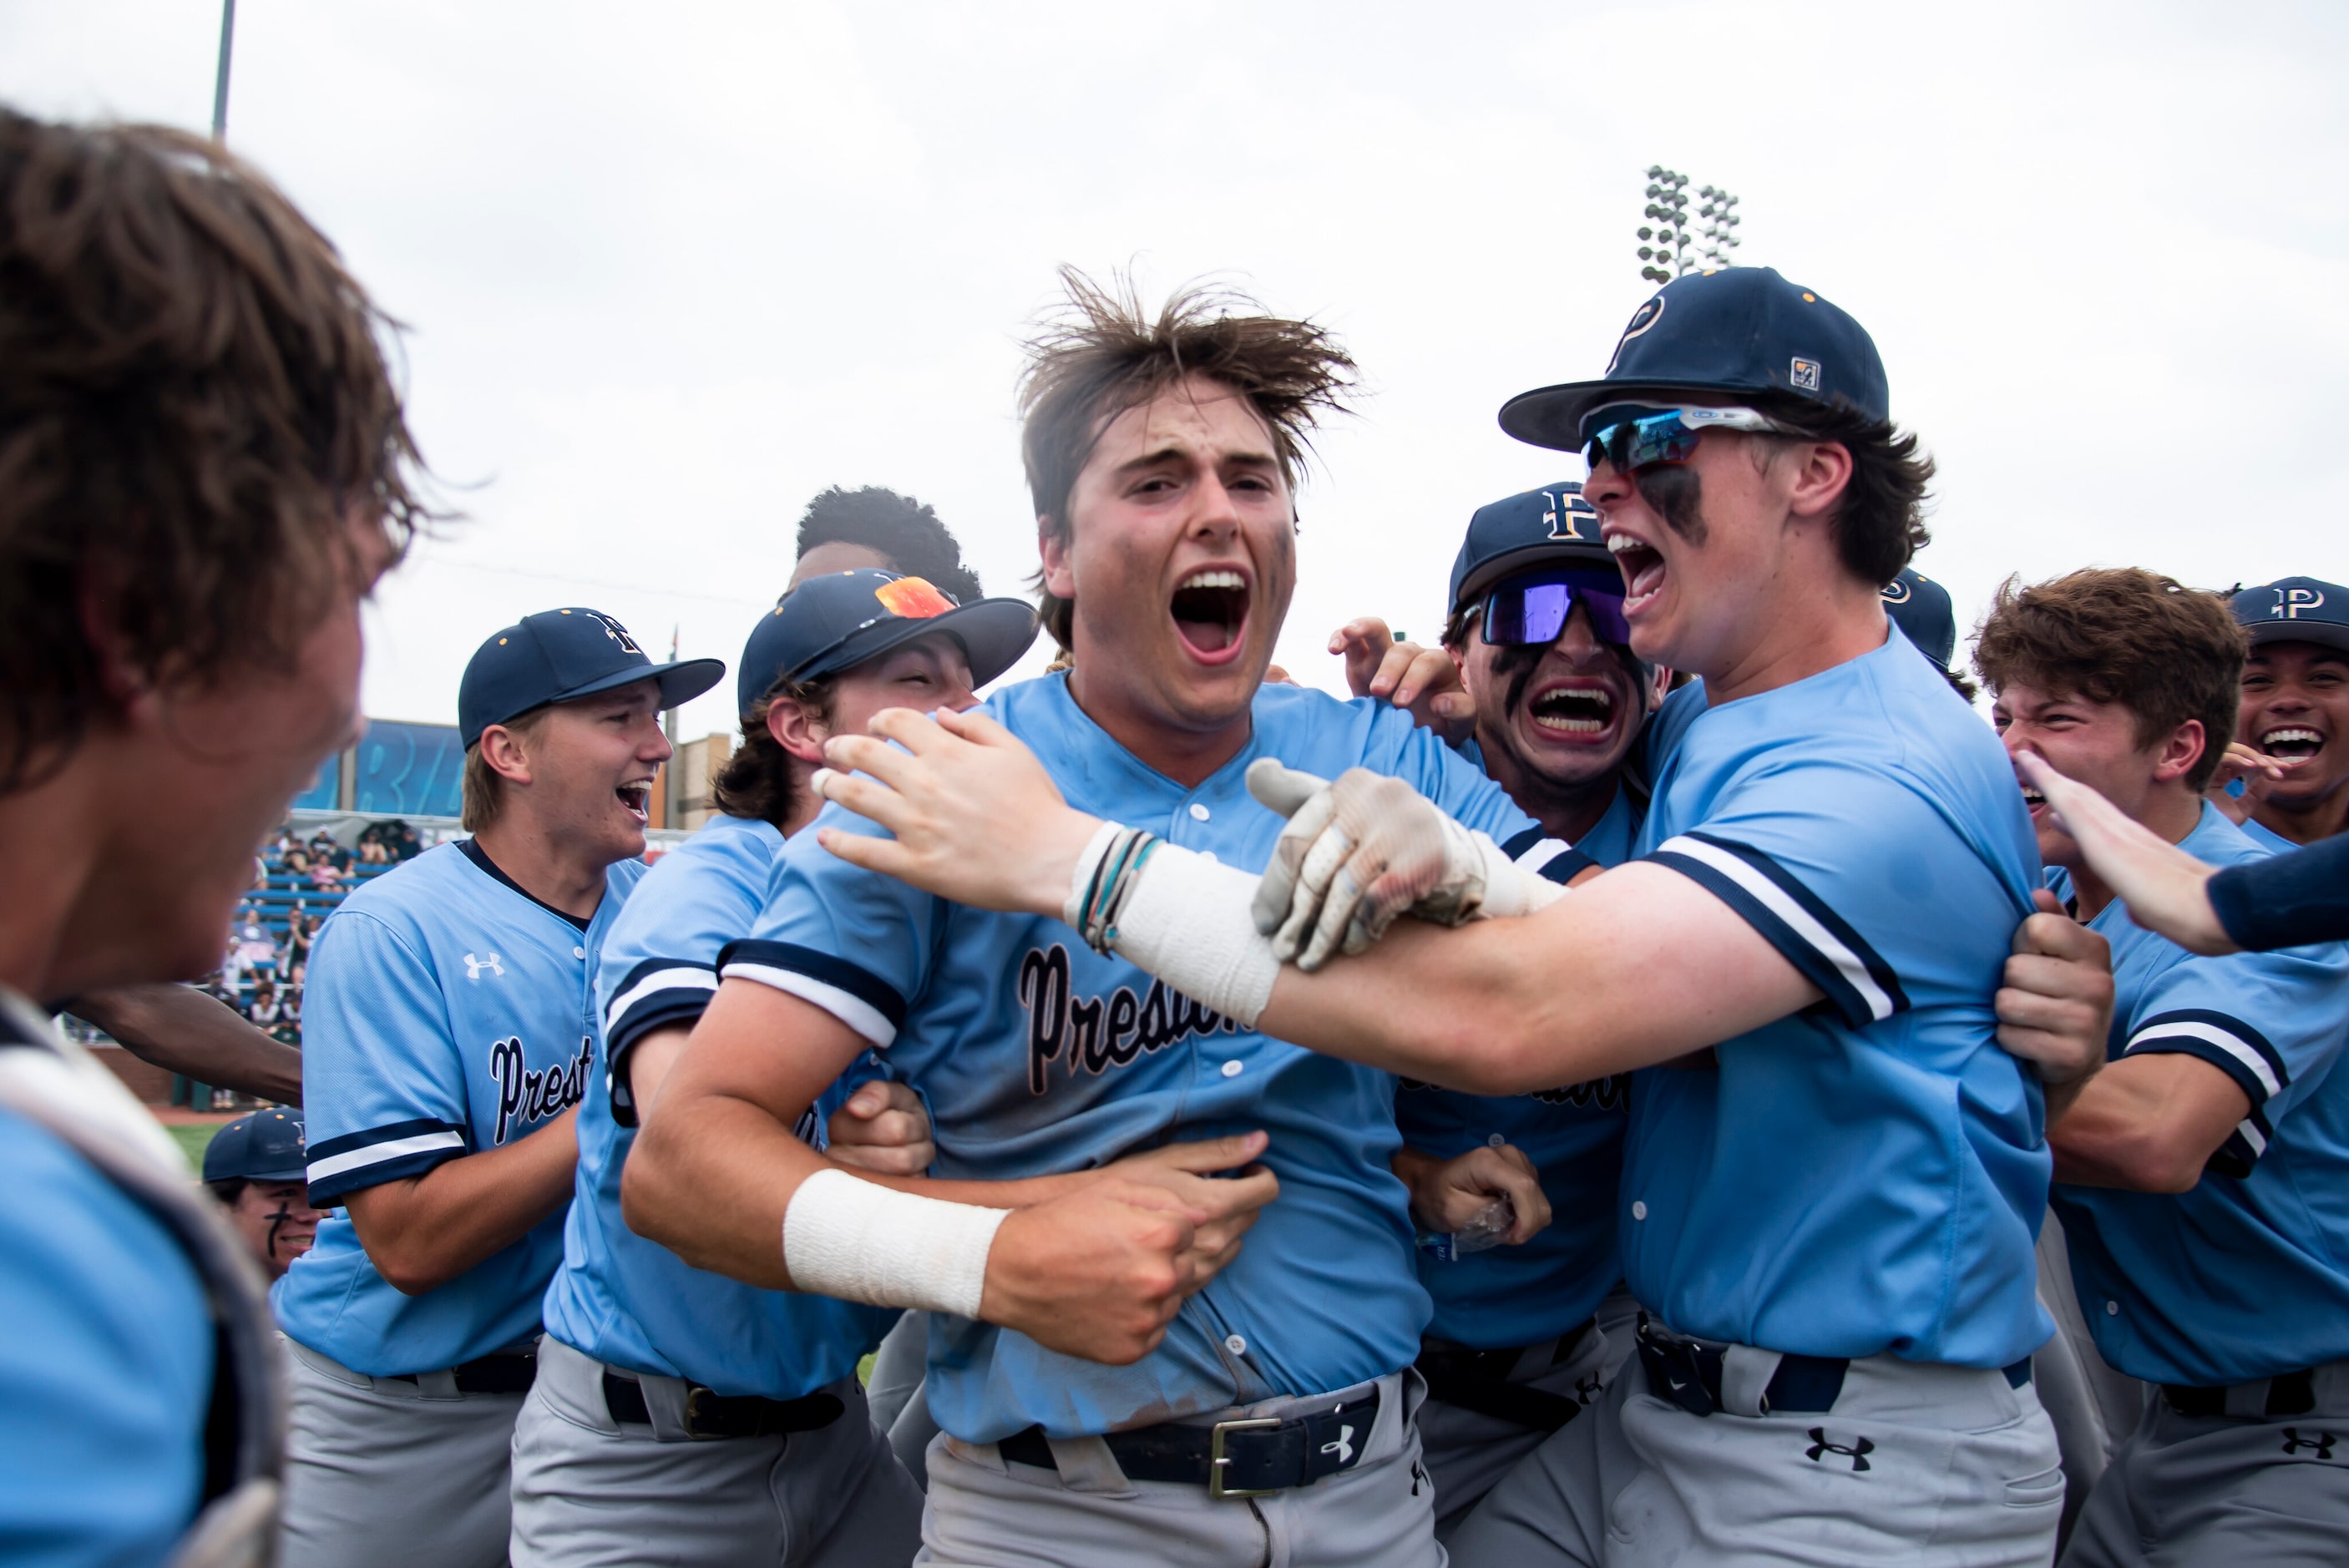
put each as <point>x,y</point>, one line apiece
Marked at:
<point>297,882</point>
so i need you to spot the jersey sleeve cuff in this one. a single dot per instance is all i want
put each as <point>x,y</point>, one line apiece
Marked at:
<point>659,993</point>
<point>1552,860</point>
<point>337,1167</point>
<point>2227,1043</point>
<point>1817,941</point>
<point>856,996</point>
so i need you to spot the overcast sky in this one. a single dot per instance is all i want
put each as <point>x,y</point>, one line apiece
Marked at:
<point>670,270</point>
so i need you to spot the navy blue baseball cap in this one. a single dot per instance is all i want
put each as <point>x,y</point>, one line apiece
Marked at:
<point>1741,331</point>
<point>1920,607</point>
<point>557,655</point>
<point>265,1145</point>
<point>842,619</point>
<point>2295,609</point>
<point>1553,524</point>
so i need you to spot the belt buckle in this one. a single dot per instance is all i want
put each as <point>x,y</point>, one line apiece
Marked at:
<point>1217,1460</point>
<point>701,1420</point>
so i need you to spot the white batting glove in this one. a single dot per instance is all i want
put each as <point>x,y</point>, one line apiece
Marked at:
<point>1361,851</point>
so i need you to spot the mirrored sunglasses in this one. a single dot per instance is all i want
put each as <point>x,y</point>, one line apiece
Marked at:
<point>1533,607</point>
<point>1666,435</point>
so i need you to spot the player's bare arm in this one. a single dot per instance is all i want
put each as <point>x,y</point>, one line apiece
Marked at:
<point>1671,969</point>
<point>1446,1194</point>
<point>882,1127</point>
<point>1092,1263</point>
<point>185,1031</point>
<point>421,1232</point>
<point>2148,1122</point>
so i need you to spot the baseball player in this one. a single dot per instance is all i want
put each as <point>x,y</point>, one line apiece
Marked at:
<point>1556,701</point>
<point>450,1034</point>
<point>200,499</point>
<point>1830,1197</point>
<point>2191,1171</point>
<point>255,1168</point>
<point>674,1404</point>
<point>1272,1415</point>
<point>2295,710</point>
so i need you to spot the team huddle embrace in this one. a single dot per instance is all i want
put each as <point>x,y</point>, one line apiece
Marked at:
<point>1595,1097</point>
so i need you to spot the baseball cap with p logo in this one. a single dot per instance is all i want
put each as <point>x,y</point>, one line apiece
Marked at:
<point>561,656</point>
<point>2295,609</point>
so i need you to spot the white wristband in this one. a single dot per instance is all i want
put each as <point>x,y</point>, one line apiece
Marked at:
<point>1080,880</point>
<point>1187,921</point>
<point>863,1242</point>
<point>1509,888</point>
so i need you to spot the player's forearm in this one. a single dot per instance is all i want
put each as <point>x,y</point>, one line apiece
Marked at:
<point>185,1031</point>
<point>425,1231</point>
<point>2147,1124</point>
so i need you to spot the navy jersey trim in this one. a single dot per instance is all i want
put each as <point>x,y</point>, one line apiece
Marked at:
<point>1552,860</point>
<point>857,997</point>
<point>1812,938</point>
<point>658,994</point>
<point>358,1160</point>
<point>2227,1043</point>
<point>473,850</point>
<point>2243,1148</point>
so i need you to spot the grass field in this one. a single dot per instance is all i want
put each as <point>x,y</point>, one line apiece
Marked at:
<point>192,1138</point>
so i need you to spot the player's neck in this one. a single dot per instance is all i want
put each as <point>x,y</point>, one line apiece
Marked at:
<point>2318,819</point>
<point>1188,755</point>
<point>1565,812</point>
<point>558,873</point>
<point>1804,634</point>
<point>54,864</point>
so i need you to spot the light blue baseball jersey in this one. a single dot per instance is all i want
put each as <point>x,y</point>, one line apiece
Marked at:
<point>1574,1135</point>
<point>1039,1055</point>
<point>2266,838</point>
<point>105,1364</point>
<point>632,1302</point>
<point>2246,1274</point>
<point>448,1013</point>
<point>1868,1175</point>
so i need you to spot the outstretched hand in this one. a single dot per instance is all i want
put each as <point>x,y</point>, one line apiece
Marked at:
<point>2165,889</point>
<point>975,817</point>
<point>1422,681</point>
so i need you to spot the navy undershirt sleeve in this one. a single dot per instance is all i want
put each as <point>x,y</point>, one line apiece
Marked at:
<point>2288,899</point>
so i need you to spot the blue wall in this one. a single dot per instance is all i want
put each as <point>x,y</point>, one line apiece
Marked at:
<point>409,770</point>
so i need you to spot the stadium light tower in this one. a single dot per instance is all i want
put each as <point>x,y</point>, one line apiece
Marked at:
<point>1669,247</point>
<point>220,81</point>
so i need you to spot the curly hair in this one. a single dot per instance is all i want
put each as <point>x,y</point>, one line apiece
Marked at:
<point>195,409</point>
<point>1107,354</point>
<point>2165,652</point>
<point>756,782</point>
<point>901,528</point>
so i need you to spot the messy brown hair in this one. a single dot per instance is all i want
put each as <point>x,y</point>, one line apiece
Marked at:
<point>1105,354</point>
<point>194,408</point>
<point>2165,652</point>
<point>757,781</point>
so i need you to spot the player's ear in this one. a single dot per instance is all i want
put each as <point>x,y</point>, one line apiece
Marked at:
<point>1659,687</point>
<point>1052,549</point>
<point>797,730</point>
<point>502,750</point>
<point>2179,753</point>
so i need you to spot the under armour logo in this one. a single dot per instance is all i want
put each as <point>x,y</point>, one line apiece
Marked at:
<point>473,966</point>
<point>1343,1448</point>
<point>2321,1442</point>
<point>1858,1453</point>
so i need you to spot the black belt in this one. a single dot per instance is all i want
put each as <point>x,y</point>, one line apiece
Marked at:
<point>1688,1373</point>
<point>710,1414</point>
<point>502,1372</point>
<point>1247,1458</point>
<point>2288,1394</point>
<point>1478,1380</point>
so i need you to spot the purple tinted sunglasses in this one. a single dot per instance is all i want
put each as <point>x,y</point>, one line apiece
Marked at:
<point>1533,607</point>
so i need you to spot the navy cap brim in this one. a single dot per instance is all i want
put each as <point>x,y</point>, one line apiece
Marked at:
<point>993,633</point>
<point>680,683</point>
<point>1560,553</point>
<point>1552,415</point>
<point>2323,633</point>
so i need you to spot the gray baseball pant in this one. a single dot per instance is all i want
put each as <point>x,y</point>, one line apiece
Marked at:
<point>2226,1491</point>
<point>384,1472</point>
<point>894,1391</point>
<point>1467,1453</point>
<point>1917,1464</point>
<point>2093,1406</point>
<point>593,1492</point>
<point>985,1512</point>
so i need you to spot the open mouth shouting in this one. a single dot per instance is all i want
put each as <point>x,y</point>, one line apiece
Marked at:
<point>1642,566</point>
<point>1575,711</point>
<point>1210,606</point>
<point>2036,802</point>
<point>2292,743</point>
<point>636,796</point>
